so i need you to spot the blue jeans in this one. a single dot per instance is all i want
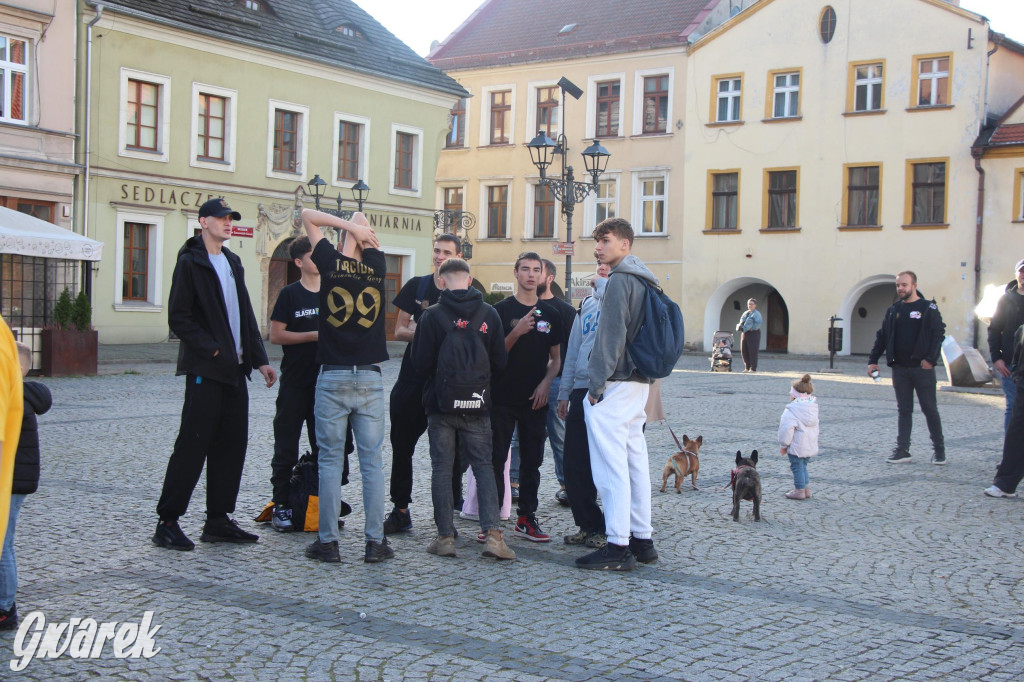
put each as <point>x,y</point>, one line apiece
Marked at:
<point>799,468</point>
<point>1010,389</point>
<point>472,435</point>
<point>556,430</point>
<point>8,561</point>
<point>513,468</point>
<point>343,395</point>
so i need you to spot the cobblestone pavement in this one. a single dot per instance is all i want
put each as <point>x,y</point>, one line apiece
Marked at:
<point>889,572</point>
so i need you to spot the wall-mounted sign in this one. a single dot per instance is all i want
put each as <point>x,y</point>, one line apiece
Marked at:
<point>564,248</point>
<point>239,231</point>
<point>501,287</point>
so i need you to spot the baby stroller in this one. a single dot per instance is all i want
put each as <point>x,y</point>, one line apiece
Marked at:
<point>721,352</point>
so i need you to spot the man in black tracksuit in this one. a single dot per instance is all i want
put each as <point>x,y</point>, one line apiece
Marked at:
<point>1008,317</point>
<point>911,338</point>
<point>209,310</point>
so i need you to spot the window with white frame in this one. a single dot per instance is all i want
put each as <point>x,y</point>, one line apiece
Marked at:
<point>287,139</point>
<point>144,121</point>
<point>786,95</point>
<point>213,127</point>
<point>497,115</point>
<point>457,135</point>
<point>453,198</point>
<point>932,75</point>
<point>406,174</point>
<point>867,86</point>
<point>652,101</point>
<point>13,79</point>
<point>602,204</point>
<point>351,145</point>
<point>604,105</point>
<point>651,205</point>
<point>728,93</point>
<point>139,258</point>
<point>496,209</point>
<point>542,212</point>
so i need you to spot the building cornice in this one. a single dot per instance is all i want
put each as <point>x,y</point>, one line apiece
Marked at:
<point>45,165</point>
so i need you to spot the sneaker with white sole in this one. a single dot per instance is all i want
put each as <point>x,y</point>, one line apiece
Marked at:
<point>528,528</point>
<point>469,517</point>
<point>281,520</point>
<point>898,456</point>
<point>996,491</point>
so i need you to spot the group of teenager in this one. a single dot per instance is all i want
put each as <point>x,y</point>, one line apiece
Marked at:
<point>528,356</point>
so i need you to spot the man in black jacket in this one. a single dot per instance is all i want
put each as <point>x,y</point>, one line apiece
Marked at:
<point>911,338</point>
<point>210,312</point>
<point>1011,469</point>
<point>1008,317</point>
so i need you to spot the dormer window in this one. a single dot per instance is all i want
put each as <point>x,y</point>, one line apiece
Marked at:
<point>567,29</point>
<point>349,31</point>
<point>253,5</point>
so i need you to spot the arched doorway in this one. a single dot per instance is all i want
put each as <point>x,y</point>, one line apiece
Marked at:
<point>281,272</point>
<point>862,311</point>
<point>729,301</point>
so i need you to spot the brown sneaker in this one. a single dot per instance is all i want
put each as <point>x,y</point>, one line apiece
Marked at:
<point>442,545</point>
<point>496,547</point>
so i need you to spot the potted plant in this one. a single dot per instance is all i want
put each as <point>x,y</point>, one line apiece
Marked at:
<point>70,344</point>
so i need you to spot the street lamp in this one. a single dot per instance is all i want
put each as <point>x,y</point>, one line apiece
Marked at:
<point>459,223</point>
<point>566,189</point>
<point>360,191</point>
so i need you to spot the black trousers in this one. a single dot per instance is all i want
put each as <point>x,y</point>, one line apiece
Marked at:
<point>905,382</point>
<point>408,424</point>
<point>294,409</point>
<point>214,430</point>
<point>579,479</point>
<point>749,343</point>
<point>532,432</point>
<point>1011,468</point>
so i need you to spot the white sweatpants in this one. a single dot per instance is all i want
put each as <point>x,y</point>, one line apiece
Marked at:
<point>618,458</point>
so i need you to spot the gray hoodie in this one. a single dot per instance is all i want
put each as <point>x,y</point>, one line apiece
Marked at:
<point>621,317</point>
<point>581,341</point>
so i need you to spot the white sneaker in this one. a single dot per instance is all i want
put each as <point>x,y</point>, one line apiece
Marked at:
<point>996,491</point>
<point>468,517</point>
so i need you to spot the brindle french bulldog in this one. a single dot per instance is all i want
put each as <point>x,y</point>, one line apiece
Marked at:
<point>746,484</point>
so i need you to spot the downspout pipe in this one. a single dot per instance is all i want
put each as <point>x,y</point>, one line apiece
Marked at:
<point>87,137</point>
<point>979,221</point>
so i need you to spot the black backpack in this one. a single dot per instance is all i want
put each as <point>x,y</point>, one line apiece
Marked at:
<point>462,381</point>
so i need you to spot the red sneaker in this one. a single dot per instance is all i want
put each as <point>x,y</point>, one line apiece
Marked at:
<point>528,528</point>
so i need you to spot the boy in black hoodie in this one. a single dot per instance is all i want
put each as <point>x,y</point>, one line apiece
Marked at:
<point>26,481</point>
<point>460,310</point>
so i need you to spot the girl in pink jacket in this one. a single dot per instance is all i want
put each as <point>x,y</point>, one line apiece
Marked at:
<point>798,434</point>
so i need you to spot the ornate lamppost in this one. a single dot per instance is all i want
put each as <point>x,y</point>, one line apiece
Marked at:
<point>360,191</point>
<point>565,188</point>
<point>459,223</point>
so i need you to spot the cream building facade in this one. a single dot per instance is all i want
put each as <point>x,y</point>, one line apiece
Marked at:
<point>810,152</point>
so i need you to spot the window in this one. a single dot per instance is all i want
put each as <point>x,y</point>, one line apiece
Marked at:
<point>655,108</point>
<point>457,136</point>
<point>931,80</point>
<point>144,116</point>
<point>351,135</point>
<point>453,198</point>
<point>13,78</point>
<point>866,81</point>
<point>650,188</point>
<point>136,261</point>
<point>501,113</point>
<point>781,198</point>
<point>405,144</point>
<point>728,92</point>
<point>608,109</point>
<point>547,111</point>
<point>723,204</point>
<point>139,262</point>
<point>543,212</point>
<point>254,5</point>
<point>1018,195</point>
<point>497,212</point>
<point>606,201</point>
<point>213,127</point>
<point>287,144</point>
<point>349,31</point>
<point>785,89</point>
<point>862,195</point>
<point>406,153</point>
<point>827,24</point>
<point>927,195</point>
<point>44,210</point>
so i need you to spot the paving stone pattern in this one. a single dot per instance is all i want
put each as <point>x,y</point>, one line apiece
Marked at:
<point>888,572</point>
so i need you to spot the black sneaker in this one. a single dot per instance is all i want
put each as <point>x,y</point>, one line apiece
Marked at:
<point>562,497</point>
<point>169,535</point>
<point>377,552</point>
<point>324,551</point>
<point>225,529</point>
<point>939,458</point>
<point>9,619</point>
<point>898,456</point>
<point>515,493</point>
<point>608,558</point>
<point>643,550</point>
<point>397,521</point>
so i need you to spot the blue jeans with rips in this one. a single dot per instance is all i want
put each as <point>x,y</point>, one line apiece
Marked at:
<point>8,561</point>
<point>341,396</point>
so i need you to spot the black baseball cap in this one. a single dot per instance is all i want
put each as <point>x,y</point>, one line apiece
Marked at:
<point>218,208</point>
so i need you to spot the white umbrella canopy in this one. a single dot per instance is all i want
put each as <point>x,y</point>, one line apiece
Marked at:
<point>26,235</point>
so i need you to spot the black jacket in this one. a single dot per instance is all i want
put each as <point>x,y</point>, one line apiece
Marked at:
<point>433,327</point>
<point>1008,317</point>
<point>197,315</point>
<point>26,459</point>
<point>929,340</point>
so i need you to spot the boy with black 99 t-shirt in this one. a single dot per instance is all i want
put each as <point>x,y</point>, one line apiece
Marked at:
<point>533,337</point>
<point>349,388</point>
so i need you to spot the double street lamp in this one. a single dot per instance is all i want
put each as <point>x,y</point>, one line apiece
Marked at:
<point>566,188</point>
<point>360,191</point>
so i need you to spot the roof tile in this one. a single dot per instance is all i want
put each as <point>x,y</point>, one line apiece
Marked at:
<point>1012,133</point>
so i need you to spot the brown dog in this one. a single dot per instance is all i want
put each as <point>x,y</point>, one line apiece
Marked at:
<point>683,463</point>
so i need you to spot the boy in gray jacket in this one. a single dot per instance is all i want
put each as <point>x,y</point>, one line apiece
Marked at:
<point>614,409</point>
